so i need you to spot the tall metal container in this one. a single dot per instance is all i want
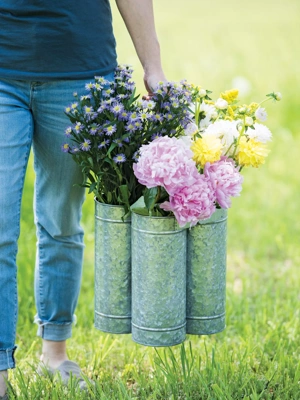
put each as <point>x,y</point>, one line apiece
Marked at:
<point>158,281</point>
<point>112,269</point>
<point>206,275</point>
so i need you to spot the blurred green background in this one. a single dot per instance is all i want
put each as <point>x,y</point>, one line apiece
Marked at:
<point>254,46</point>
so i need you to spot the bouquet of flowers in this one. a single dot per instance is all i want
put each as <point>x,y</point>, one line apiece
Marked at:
<point>111,123</point>
<point>199,172</point>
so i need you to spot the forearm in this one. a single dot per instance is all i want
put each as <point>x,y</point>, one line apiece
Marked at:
<point>139,20</point>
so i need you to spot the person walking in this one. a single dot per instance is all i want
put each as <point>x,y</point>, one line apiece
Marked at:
<point>49,50</point>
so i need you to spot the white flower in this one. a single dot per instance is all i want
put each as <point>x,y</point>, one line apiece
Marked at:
<point>186,140</point>
<point>226,131</point>
<point>260,133</point>
<point>208,109</point>
<point>190,129</point>
<point>278,96</point>
<point>221,104</point>
<point>261,114</point>
<point>249,121</point>
<point>202,93</point>
<point>204,123</point>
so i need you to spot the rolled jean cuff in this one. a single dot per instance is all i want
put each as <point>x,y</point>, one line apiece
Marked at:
<point>53,331</point>
<point>7,359</point>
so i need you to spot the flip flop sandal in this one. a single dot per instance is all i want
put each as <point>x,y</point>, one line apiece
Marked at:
<point>66,370</point>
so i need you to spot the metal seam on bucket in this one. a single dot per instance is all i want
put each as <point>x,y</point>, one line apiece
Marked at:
<point>157,233</point>
<point>118,221</point>
<point>207,318</point>
<point>143,328</point>
<point>156,345</point>
<point>113,316</point>
<point>214,222</point>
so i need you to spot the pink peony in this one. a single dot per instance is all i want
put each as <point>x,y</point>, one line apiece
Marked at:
<point>191,204</point>
<point>226,180</point>
<point>166,162</point>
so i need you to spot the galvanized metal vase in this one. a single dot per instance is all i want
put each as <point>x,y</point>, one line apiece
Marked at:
<point>158,281</point>
<point>206,275</point>
<point>112,269</point>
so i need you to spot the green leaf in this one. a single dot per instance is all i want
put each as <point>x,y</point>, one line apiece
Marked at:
<point>140,211</point>
<point>124,194</point>
<point>109,197</point>
<point>92,187</point>
<point>111,147</point>
<point>150,198</point>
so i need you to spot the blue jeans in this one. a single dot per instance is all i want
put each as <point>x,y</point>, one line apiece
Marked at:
<point>32,114</point>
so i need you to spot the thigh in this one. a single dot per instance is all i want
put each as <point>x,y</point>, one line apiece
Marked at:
<point>58,198</point>
<point>16,127</point>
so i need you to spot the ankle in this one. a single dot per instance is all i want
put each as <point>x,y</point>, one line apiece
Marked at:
<point>3,381</point>
<point>54,353</point>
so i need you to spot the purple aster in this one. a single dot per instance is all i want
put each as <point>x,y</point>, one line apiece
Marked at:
<point>86,145</point>
<point>130,127</point>
<point>117,108</point>
<point>157,117</point>
<point>89,86</point>
<point>130,86</point>
<point>148,104</point>
<point>102,108</point>
<point>133,116</point>
<point>86,97</point>
<point>118,142</point>
<point>143,116</point>
<point>103,144</point>
<point>65,147</point>
<point>74,150</point>
<point>107,92</point>
<point>155,136</point>
<point>168,117</point>
<point>126,139</point>
<point>136,155</point>
<point>78,127</point>
<point>121,96</point>
<point>68,131</point>
<point>94,129</point>
<point>138,124</point>
<point>89,113</point>
<point>102,80</point>
<point>97,86</point>
<point>123,116</point>
<point>166,106</point>
<point>119,158</point>
<point>110,130</point>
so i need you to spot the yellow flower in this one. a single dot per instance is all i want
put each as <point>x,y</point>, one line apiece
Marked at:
<point>253,107</point>
<point>230,95</point>
<point>230,113</point>
<point>251,152</point>
<point>206,149</point>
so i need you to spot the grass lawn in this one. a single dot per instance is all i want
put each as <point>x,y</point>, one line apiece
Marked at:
<point>257,356</point>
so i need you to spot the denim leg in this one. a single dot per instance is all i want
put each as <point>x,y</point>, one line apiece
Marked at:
<point>16,126</point>
<point>58,204</point>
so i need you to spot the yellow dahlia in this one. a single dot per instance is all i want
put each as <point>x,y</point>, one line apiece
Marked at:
<point>251,152</point>
<point>206,149</point>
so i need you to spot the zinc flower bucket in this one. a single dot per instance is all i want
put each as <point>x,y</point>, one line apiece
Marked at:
<point>206,275</point>
<point>112,269</point>
<point>158,281</point>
